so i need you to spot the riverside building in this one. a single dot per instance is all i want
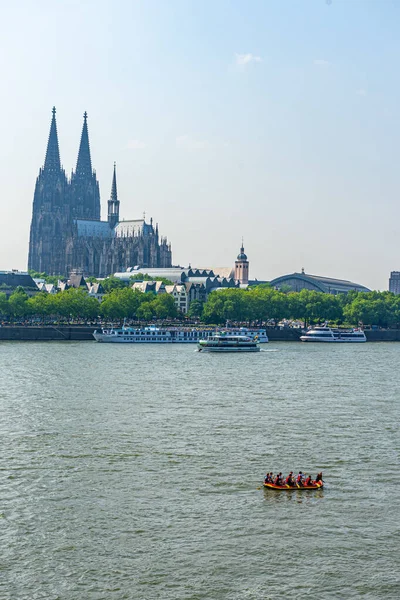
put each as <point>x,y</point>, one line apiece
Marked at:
<point>67,233</point>
<point>304,281</point>
<point>394,282</point>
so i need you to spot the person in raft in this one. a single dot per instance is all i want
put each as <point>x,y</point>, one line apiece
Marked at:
<point>278,479</point>
<point>319,478</point>
<point>289,479</point>
<point>308,481</point>
<point>299,478</point>
<point>268,478</point>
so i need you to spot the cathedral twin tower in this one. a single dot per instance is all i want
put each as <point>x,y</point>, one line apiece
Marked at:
<point>66,231</point>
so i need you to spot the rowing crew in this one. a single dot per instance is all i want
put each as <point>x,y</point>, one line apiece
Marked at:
<point>300,480</point>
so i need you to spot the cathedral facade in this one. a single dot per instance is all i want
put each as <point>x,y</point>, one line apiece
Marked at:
<point>67,233</point>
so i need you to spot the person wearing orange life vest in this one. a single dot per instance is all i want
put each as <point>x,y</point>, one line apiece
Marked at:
<point>299,478</point>
<point>289,479</point>
<point>308,481</point>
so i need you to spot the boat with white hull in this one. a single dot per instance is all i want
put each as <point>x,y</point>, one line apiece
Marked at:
<point>228,343</point>
<point>171,335</point>
<point>325,334</point>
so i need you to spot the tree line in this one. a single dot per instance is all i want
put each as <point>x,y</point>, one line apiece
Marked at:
<point>259,304</point>
<point>263,303</point>
<point>74,303</point>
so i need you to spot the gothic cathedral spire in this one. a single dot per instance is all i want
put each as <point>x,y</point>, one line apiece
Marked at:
<point>113,203</point>
<point>85,193</point>
<point>52,160</point>
<point>84,162</point>
<point>50,216</point>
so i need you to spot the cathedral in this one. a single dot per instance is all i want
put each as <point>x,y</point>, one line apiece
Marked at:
<point>67,233</point>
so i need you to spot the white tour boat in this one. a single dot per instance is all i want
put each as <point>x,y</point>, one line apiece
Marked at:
<point>219,342</point>
<point>326,334</point>
<point>171,335</point>
<point>260,335</point>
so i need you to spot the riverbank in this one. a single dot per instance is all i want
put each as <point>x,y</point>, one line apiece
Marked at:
<point>46,333</point>
<point>85,333</point>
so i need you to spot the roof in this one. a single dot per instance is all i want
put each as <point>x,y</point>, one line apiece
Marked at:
<point>149,286</point>
<point>227,272</point>
<point>177,287</point>
<point>77,280</point>
<point>328,285</point>
<point>88,228</point>
<point>95,288</point>
<point>14,279</point>
<point>132,227</point>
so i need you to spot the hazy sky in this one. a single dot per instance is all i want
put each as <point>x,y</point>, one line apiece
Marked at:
<point>275,120</point>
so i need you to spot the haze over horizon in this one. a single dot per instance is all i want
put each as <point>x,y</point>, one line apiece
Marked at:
<point>271,120</point>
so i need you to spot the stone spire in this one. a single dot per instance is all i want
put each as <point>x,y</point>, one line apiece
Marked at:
<point>52,160</point>
<point>85,193</point>
<point>84,162</point>
<point>50,214</point>
<point>113,203</point>
<point>114,195</point>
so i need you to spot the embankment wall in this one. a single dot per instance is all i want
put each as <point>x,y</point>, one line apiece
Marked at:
<point>85,333</point>
<point>44,334</point>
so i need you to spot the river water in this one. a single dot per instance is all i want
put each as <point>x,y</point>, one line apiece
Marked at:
<point>134,472</point>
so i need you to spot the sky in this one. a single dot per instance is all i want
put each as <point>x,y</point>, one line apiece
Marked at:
<point>275,120</point>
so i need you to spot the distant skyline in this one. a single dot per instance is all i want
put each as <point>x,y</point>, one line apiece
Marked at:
<point>272,120</point>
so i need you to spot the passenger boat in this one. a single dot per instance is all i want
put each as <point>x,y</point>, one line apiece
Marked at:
<point>171,335</point>
<point>286,488</point>
<point>327,335</point>
<point>259,335</point>
<point>220,342</point>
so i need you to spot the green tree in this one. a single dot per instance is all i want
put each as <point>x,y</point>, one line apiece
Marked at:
<point>122,303</point>
<point>145,311</point>
<point>195,309</point>
<point>54,279</point>
<point>75,303</point>
<point>113,283</point>
<point>3,304</point>
<point>39,304</point>
<point>164,306</point>
<point>18,303</point>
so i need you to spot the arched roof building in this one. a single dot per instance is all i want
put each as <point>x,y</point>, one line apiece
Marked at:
<point>304,281</point>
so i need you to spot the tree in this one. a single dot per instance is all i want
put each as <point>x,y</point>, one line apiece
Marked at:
<point>195,309</point>
<point>164,306</point>
<point>113,283</point>
<point>3,304</point>
<point>145,311</point>
<point>39,304</point>
<point>75,303</point>
<point>54,279</point>
<point>18,303</point>
<point>122,303</point>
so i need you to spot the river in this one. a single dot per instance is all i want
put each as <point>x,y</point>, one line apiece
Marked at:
<point>134,472</point>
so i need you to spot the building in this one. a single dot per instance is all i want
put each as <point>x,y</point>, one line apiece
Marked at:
<point>66,231</point>
<point>242,267</point>
<point>157,287</point>
<point>394,282</point>
<point>206,277</point>
<point>304,281</point>
<point>179,293</point>
<point>11,280</point>
<point>95,290</point>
